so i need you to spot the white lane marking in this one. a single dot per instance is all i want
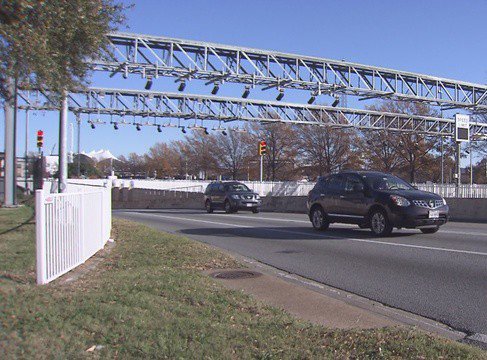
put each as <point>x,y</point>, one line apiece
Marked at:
<point>341,225</point>
<point>331,237</point>
<point>478,337</point>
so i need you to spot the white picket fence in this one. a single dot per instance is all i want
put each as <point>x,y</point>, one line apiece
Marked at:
<point>70,228</point>
<point>265,188</point>
<point>453,191</point>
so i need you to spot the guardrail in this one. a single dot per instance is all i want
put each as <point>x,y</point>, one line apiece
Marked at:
<point>70,228</point>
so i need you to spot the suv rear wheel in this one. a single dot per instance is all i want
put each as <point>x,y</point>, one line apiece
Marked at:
<point>318,219</point>
<point>228,207</point>
<point>379,223</point>
<point>209,208</point>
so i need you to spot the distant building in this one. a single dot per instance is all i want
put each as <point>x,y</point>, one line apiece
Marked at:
<point>20,171</point>
<point>52,164</point>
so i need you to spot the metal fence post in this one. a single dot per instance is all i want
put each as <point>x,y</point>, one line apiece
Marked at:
<point>40,238</point>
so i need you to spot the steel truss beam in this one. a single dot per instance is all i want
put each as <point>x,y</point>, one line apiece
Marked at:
<point>148,104</point>
<point>151,56</point>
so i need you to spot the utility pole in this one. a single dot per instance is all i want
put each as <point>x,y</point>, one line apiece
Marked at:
<point>459,167</point>
<point>471,166</point>
<point>442,162</point>
<point>9,173</point>
<point>262,151</point>
<point>26,150</point>
<point>442,156</point>
<point>63,145</point>
<point>78,167</point>
<point>261,167</point>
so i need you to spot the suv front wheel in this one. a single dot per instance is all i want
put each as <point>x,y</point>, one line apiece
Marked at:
<point>318,219</point>
<point>209,208</point>
<point>379,223</point>
<point>228,207</point>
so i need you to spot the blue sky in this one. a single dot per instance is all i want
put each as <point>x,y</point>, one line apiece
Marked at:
<point>443,38</point>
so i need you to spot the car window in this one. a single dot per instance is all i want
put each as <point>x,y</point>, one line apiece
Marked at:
<point>221,188</point>
<point>208,189</point>
<point>352,182</point>
<point>336,183</point>
<point>237,188</point>
<point>386,182</point>
<point>321,184</point>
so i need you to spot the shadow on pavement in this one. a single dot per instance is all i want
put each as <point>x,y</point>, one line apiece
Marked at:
<point>287,233</point>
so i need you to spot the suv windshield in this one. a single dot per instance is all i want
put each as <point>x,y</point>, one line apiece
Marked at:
<point>236,187</point>
<point>386,182</point>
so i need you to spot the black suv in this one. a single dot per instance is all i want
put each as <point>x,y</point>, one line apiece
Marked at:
<point>376,200</point>
<point>231,196</point>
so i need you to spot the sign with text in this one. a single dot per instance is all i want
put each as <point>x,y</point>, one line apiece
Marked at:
<point>462,126</point>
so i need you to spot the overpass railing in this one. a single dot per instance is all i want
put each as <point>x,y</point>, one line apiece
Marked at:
<point>70,228</point>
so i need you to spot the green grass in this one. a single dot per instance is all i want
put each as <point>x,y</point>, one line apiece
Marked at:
<point>17,244</point>
<point>149,299</point>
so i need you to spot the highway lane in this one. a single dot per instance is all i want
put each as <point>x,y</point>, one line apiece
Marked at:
<point>441,276</point>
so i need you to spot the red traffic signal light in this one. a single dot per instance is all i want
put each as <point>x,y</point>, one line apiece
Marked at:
<point>262,148</point>
<point>40,138</point>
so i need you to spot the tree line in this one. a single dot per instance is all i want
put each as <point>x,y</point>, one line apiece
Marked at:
<point>296,152</point>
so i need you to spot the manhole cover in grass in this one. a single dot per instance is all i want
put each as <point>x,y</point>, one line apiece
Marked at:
<point>235,274</point>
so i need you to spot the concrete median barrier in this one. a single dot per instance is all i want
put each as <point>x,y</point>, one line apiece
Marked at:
<point>124,198</point>
<point>468,209</point>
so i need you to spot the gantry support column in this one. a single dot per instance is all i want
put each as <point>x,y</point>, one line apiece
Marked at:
<point>9,173</point>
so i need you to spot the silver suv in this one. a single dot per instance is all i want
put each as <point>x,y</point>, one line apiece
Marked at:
<point>231,196</point>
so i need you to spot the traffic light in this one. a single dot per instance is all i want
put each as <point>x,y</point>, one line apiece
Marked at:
<point>262,148</point>
<point>40,138</point>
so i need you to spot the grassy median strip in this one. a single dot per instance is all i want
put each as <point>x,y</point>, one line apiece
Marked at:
<point>148,298</point>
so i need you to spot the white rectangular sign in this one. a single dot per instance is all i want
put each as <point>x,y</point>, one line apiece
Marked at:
<point>462,127</point>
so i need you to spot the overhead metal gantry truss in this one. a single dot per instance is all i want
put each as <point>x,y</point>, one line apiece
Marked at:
<point>153,56</point>
<point>147,104</point>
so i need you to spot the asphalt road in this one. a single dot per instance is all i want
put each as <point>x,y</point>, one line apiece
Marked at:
<point>441,276</point>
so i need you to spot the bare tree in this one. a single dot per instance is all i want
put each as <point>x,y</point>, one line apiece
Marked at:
<point>233,153</point>
<point>379,151</point>
<point>164,160</point>
<point>199,152</point>
<point>416,152</point>
<point>134,164</point>
<point>324,150</point>
<point>280,159</point>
